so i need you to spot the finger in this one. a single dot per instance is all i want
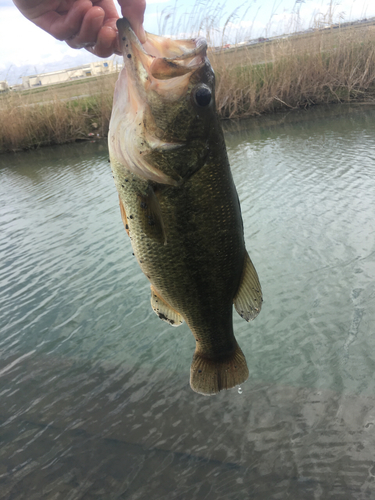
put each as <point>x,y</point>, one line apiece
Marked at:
<point>64,25</point>
<point>106,43</point>
<point>90,28</point>
<point>138,30</point>
<point>134,11</point>
<point>109,8</point>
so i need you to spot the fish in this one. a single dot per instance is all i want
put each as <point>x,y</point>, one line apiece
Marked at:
<point>178,201</point>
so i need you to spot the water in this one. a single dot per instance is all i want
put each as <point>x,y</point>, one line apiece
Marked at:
<point>95,400</point>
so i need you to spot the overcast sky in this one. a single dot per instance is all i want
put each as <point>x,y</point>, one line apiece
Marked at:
<point>23,45</point>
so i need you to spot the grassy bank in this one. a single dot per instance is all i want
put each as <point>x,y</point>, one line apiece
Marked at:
<point>289,80</point>
<point>57,115</point>
<point>325,67</point>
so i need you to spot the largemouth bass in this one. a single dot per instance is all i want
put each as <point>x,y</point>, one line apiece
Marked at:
<point>178,201</point>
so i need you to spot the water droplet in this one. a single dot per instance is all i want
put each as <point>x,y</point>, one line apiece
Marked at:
<point>239,390</point>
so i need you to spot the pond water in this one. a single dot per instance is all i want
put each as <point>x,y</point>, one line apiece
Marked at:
<point>95,401</point>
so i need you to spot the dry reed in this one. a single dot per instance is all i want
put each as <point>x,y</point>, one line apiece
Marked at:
<point>29,121</point>
<point>290,78</point>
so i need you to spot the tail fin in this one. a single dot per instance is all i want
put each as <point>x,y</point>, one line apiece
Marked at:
<point>209,376</point>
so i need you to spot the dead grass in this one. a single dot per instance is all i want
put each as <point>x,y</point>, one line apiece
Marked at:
<point>341,72</point>
<point>314,69</point>
<point>31,120</point>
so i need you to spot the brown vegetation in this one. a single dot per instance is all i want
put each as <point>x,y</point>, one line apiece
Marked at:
<point>323,69</point>
<point>291,78</point>
<point>33,119</point>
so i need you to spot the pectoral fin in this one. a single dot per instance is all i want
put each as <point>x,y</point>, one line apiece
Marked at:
<point>123,215</point>
<point>248,299</point>
<point>151,216</point>
<point>164,310</point>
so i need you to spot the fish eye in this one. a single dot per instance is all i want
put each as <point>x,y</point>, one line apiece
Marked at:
<point>202,95</point>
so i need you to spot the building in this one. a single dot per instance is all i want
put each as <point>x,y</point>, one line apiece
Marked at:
<point>96,68</point>
<point>4,87</point>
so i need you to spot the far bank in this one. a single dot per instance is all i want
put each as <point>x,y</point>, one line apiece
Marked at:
<point>321,67</point>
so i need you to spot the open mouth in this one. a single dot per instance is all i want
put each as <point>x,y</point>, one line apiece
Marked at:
<point>161,58</point>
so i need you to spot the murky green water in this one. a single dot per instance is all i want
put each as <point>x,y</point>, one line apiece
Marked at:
<point>95,400</point>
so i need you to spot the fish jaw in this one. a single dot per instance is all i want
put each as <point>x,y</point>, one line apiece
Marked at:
<point>151,66</point>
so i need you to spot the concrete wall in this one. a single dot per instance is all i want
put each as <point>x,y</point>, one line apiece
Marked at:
<point>91,69</point>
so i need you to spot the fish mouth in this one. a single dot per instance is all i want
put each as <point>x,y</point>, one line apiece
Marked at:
<point>160,60</point>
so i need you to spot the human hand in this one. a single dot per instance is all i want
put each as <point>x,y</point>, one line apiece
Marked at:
<point>84,23</point>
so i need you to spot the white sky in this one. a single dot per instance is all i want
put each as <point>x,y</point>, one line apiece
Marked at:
<point>22,43</point>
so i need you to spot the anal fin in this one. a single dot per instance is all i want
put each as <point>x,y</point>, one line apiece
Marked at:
<point>248,299</point>
<point>164,310</point>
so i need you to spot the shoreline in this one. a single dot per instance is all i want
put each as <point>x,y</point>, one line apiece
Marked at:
<point>229,124</point>
<point>226,121</point>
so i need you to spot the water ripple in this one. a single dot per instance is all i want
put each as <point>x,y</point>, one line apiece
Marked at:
<point>95,400</point>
